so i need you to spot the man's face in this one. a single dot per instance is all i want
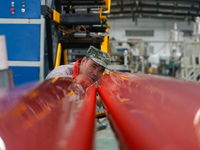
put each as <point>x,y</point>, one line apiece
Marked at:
<point>91,68</point>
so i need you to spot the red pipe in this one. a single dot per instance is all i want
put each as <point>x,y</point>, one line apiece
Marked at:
<point>83,139</point>
<point>44,117</point>
<point>152,112</point>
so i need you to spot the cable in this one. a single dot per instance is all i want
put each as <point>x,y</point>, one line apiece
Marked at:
<point>73,30</point>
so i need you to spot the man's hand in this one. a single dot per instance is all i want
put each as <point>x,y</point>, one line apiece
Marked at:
<point>84,80</point>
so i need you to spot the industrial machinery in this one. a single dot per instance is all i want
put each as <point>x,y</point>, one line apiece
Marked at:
<point>77,24</point>
<point>23,26</point>
<point>184,56</point>
<point>190,67</point>
<point>170,65</point>
<point>130,56</point>
<point>176,57</point>
<point>121,57</point>
<point>40,32</point>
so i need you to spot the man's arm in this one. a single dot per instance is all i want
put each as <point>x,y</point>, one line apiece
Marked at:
<point>61,71</point>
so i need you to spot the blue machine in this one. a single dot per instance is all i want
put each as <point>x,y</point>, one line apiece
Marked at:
<point>23,41</point>
<point>20,9</point>
<point>23,75</point>
<point>18,22</point>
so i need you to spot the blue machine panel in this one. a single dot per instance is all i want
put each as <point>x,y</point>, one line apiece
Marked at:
<point>23,41</point>
<point>22,75</point>
<point>20,9</point>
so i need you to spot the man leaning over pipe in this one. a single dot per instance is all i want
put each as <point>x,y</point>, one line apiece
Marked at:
<point>84,71</point>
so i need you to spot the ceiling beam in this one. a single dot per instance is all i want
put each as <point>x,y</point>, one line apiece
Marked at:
<point>179,1</point>
<point>156,6</point>
<point>156,12</point>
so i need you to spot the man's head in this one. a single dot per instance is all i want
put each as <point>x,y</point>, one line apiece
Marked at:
<point>94,63</point>
<point>100,57</point>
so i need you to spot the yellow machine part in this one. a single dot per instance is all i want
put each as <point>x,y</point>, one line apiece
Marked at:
<point>108,4</point>
<point>65,57</point>
<point>58,55</point>
<point>105,45</point>
<point>102,17</point>
<point>56,16</point>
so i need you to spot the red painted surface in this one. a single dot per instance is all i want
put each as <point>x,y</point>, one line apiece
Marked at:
<point>82,135</point>
<point>44,117</point>
<point>152,112</point>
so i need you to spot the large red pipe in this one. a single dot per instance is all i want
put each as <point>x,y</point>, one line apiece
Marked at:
<point>82,135</point>
<point>152,112</point>
<point>45,117</point>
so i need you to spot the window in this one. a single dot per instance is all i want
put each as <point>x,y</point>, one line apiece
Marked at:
<point>139,32</point>
<point>187,33</point>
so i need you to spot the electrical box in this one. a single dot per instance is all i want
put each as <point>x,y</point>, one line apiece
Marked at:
<point>20,9</point>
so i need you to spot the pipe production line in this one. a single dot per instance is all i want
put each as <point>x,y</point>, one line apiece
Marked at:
<point>144,111</point>
<point>78,25</point>
<point>42,34</point>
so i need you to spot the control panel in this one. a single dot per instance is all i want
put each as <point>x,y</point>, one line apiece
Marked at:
<point>29,9</point>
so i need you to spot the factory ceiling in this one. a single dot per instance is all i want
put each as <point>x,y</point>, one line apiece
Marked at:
<point>186,10</point>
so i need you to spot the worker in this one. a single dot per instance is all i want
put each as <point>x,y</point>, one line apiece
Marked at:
<point>84,71</point>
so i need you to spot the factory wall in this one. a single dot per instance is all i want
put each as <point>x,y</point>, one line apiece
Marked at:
<point>161,29</point>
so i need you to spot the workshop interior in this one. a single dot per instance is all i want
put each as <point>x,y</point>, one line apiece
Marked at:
<point>149,92</point>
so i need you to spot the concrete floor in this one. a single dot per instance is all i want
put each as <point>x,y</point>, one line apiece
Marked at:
<point>105,138</point>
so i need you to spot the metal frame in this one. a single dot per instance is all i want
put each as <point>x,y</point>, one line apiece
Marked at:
<point>175,9</point>
<point>40,63</point>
